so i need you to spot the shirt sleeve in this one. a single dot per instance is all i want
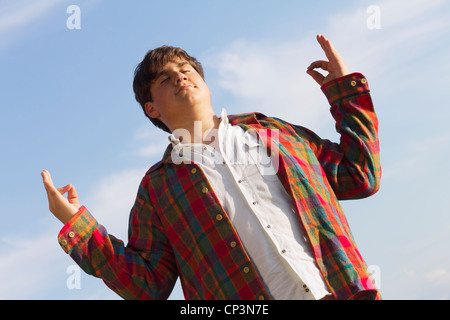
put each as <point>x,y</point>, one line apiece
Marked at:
<point>352,166</point>
<point>143,269</point>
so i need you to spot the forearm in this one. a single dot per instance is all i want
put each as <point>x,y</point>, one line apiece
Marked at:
<point>352,167</point>
<point>130,273</point>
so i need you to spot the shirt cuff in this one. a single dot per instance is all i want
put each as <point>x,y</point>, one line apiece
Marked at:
<point>345,87</point>
<point>78,229</point>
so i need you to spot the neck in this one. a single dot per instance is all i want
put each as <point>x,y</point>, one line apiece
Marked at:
<point>200,129</point>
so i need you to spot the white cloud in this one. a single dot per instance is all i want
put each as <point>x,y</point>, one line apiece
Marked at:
<point>439,277</point>
<point>34,265</point>
<point>271,79</point>
<point>409,273</point>
<point>15,16</point>
<point>151,141</point>
<point>28,265</point>
<point>112,198</point>
<point>426,153</point>
<point>269,76</point>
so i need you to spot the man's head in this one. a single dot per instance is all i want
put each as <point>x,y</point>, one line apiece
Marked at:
<point>162,81</point>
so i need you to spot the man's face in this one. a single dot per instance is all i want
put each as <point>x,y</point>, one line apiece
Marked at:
<point>178,93</point>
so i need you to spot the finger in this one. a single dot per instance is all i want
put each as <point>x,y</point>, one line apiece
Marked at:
<point>64,189</point>
<point>326,45</point>
<point>47,179</point>
<point>322,64</point>
<point>72,195</point>
<point>317,76</point>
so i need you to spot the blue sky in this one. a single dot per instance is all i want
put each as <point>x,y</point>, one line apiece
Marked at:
<point>67,106</point>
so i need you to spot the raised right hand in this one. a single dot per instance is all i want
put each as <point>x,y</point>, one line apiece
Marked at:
<point>62,208</point>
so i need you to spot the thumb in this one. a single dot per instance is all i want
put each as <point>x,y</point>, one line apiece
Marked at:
<point>317,76</point>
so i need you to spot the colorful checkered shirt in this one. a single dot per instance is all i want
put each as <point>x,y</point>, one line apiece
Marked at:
<point>178,228</point>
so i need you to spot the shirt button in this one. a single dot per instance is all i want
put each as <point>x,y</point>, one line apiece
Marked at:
<point>64,242</point>
<point>219,217</point>
<point>254,202</point>
<point>205,190</point>
<point>363,81</point>
<point>283,251</point>
<point>233,244</point>
<point>353,83</point>
<point>268,226</point>
<point>194,170</point>
<point>246,269</point>
<point>71,234</point>
<point>261,298</point>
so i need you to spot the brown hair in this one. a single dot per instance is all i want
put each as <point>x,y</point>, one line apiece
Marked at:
<point>146,71</point>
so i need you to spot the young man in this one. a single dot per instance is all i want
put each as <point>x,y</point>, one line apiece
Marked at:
<point>231,221</point>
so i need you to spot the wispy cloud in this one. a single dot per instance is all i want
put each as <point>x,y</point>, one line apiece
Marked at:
<point>16,16</point>
<point>269,76</point>
<point>270,79</point>
<point>34,265</point>
<point>423,157</point>
<point>151,142</point>
<point>28,264</point>
<point>264,78</point>
<point>396,58</point>
<point>111,199</point>
<point>439,277</point>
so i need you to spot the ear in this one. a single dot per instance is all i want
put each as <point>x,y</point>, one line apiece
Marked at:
<point>151,111</point>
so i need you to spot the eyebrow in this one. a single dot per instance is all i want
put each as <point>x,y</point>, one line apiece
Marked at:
<point>164,72</point>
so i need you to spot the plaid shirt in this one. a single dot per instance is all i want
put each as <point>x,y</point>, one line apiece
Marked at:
<point>178,227</point>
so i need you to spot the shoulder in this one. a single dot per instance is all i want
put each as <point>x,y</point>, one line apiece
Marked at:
<point>258,120</point>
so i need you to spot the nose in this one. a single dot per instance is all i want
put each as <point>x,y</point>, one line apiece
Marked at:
<point>180,77</point>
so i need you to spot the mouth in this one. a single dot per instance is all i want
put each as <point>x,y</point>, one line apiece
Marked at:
<point>183,87</point>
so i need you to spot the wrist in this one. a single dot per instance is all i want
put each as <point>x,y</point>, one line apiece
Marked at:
<point>77,228</point>
<point>345,87</point>
<point>65,214</point>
